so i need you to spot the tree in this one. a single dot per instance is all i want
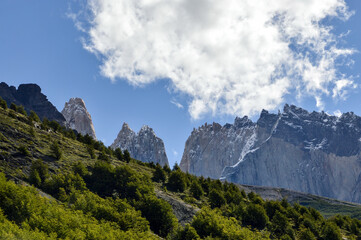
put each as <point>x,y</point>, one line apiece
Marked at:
<point>104,156</point>
<point>126,156</point>
<point>33,116</point>
<point>176,167</point>
<point>306,234</point>
<point>216,198</point>
<point>91,151</point>
<point>3,103</point>
<point>256,216</point>
<point>20,109</point>
<point>196,190</point>
<point>159,174</point>
<point>80,169</point>
<point>13,107</point>
<point>38,172</point>
<point>159,214</point>
<point>119,154</point>
<point>177,181</point>
<point>331,232</point>
<point>279,224</point>
<point>56,151</point>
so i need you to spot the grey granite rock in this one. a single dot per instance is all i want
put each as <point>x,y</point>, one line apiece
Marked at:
<point>310,152</point>
<point>78,118</point>
<point>144,145</point>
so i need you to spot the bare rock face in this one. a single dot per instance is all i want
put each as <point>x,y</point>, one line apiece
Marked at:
<point>309,152</point>
<point>78,118</point>
<point>144,145</point>
<point>31,98</point>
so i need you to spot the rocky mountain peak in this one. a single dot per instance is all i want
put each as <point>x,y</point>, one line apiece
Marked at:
<point>312,152</point>
<point>32,99</point>
<point>144,145</point>
<point>77,117</point>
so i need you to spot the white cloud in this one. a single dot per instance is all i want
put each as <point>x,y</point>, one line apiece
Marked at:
<point>177,104</point>
<point>229,57</point>
<point>175,153</point>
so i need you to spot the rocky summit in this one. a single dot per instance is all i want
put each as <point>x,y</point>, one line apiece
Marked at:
<point>78,118</point>
<point>144,145</point>
<point>309,152</point>
<point>31,98</point>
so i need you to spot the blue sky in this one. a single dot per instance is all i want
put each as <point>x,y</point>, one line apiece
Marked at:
<point>40,43</point>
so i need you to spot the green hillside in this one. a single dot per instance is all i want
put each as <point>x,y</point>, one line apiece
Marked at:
<point>58,185</point>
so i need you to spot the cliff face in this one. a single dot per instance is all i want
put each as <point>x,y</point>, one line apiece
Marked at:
<point>144,145</point>
<point>30,96</point>
<point>309,152</point>
<point>78,118</point>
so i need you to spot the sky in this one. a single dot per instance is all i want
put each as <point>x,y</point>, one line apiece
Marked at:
<point>174,65</point>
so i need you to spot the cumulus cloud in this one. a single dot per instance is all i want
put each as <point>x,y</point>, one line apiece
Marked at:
<point>229,57</point>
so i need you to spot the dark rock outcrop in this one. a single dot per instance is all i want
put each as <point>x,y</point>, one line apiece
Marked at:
<point>78,118</point>
<point>31,98</point>
<point>144,145</point>
<point>309,152</point>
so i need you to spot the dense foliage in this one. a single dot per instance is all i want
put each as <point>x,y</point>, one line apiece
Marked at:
<point>89,191</point>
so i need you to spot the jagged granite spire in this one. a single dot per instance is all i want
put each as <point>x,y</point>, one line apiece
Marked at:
<point>78,118</point>
<point>311,152</point>
<point>144,145</point>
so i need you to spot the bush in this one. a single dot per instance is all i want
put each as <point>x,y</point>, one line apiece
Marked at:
<point>103,156</point>
<point>306,234</point>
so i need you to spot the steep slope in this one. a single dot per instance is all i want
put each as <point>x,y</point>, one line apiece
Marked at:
<point>30,96</point>
<point>78,118</point>
<point>144,145</point>
<point>308,152</point>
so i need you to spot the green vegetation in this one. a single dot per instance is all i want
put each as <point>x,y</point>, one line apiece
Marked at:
<point>85,190</point>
